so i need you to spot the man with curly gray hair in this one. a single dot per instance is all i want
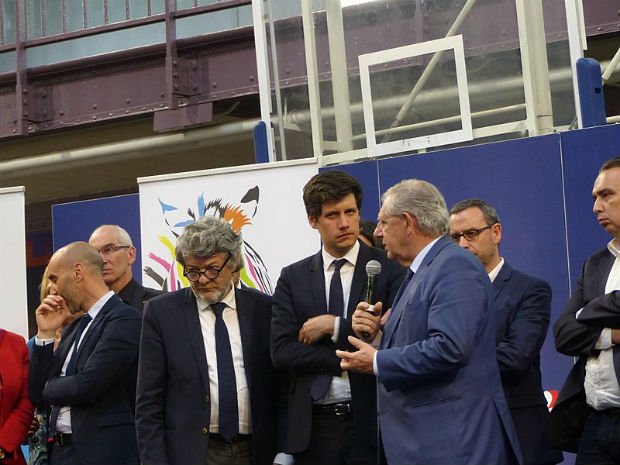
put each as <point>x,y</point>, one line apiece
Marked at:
<point>207,391</point>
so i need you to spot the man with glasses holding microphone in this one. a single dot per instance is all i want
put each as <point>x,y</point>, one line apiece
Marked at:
<point>207,391</point>
<point>116,248</point>
<point>522,311</point>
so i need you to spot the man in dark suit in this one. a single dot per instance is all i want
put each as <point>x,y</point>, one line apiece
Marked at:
<point>440,395</point>
<point>116,247</point>
<point>522,312</point>
<point>593,380</point>
<point>332,413</point>
<point>207,391</point>
<point>90,379</point>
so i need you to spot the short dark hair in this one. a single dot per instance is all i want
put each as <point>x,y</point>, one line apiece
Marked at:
<point>367,229</point>
<point>488,211</point>
<point>611,163</point>
<point>329,186</point>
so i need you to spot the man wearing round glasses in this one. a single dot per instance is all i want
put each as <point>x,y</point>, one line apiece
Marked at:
<point>207,391</point>
<point>116,248</point>
<point>522,312</point>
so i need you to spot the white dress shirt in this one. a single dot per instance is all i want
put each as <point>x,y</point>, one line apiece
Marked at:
<point>207,325</point>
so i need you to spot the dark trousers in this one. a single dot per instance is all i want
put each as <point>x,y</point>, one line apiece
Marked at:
<point>333,442</point>
<point>65,455</point>
<point>238,452</point>
<point>600,440</point>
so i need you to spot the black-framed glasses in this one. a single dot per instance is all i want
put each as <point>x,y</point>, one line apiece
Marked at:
<point>111,248</point>
<point>470,234</point>
<point>211,272</point>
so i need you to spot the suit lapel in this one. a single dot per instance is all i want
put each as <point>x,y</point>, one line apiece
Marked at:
<point>359,279</point>
<point>194,334</point>
<point>317,282</point>
<point>244,315</point>
<point>502,278</point>
<point>604,269</point>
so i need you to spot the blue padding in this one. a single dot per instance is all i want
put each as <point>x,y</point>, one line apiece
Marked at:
<point>261,150</point>
<point>591,92</point>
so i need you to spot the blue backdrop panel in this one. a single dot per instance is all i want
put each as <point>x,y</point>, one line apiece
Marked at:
<point>75,221</point>
<point>366,173</point>
<point>583,154</point>
<point>522,179</point>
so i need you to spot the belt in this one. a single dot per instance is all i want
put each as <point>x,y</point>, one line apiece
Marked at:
<point>339,409</point>
<point>61,439</point>
<point>238,438</point>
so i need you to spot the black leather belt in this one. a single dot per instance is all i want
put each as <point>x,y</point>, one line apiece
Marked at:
<point>239,438</point>
<point>339,409</point>
<point>62,439</point>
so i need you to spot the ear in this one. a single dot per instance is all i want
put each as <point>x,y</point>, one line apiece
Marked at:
<point>313,222</point>
<point>496,233</point>
<point>131,251</point>
<point>78,272</point>
<point>410,221</point>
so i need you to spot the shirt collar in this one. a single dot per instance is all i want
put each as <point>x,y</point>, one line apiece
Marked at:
<point>350,256</point>
<point>614,247</point>
<point>495,271</point>
<point>95,309</point>
<point>229,300</point>
<point>417,261</point>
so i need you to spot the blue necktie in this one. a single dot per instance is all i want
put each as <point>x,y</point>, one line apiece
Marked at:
<point>71,370</point>
<point>335,306</point>
<point>228,412</point>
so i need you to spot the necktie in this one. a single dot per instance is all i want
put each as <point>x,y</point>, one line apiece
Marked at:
<point>71,370</point>
<point>335,306</point>
<point>228,412</point>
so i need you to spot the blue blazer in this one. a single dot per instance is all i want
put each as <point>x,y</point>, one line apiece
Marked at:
<point>300,295</point>
<point>440,395</point>
<point>173,405</point>
<point>522,312</point>
<point>102,392</point>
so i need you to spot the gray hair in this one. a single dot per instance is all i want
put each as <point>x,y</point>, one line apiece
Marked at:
<point>488,211</point>
<point>421,200</point>
<point>123,236</point>
<point>207,236</point>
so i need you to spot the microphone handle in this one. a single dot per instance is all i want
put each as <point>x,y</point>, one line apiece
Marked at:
<point>371,282</point>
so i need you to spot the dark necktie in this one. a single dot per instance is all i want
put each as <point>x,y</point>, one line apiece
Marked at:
<point>71,370</point>
<point>228,412</point>
<point>335,306</point>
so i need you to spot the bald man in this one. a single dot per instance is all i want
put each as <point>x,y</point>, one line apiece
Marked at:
<point>89,382</point>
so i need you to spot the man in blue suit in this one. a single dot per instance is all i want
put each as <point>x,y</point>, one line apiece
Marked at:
<point>207,391</point>
<point>90,379</point>
<point>332,413</point>
<point>522,312</point>
<point>440,395</point>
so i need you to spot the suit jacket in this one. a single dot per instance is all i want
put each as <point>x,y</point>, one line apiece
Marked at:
<point>522,311</point>
<point>440,395</point>
<point>15,406</point>
<point>173,402</point>
<point>101,394</point>
<point>135,294</point>
<point>300,295</point>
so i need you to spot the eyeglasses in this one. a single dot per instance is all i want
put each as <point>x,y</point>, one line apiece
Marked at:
<point>470,234</point>
<point>110,249</point>
<point>211,272</point>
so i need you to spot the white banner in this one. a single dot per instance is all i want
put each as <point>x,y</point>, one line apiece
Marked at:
<point>262,202</point>
<point>14,313</point>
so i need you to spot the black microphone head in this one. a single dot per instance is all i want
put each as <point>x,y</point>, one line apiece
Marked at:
<point>373,268</point>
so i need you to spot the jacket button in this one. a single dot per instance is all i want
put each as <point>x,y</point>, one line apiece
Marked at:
<point>205,430</point>
<point>207,398</point>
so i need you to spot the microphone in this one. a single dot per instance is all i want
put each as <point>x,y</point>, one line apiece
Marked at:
<point>373,269</point>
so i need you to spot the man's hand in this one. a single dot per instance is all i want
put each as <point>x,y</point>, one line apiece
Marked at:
<point>317,328</point>
<point>50,316</point>
<point>615,337</point>
<point>360,361</point>
<point>365,322</point>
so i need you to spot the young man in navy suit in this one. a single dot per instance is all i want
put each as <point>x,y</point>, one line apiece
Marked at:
<point>440,395</point>
<point>332,413</point>
<point>522,312</point>
<point>90,380</point>
<point>207,390</point>
<point>593,382</point>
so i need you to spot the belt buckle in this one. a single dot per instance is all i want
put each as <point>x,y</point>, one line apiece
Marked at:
<point>342,409</point>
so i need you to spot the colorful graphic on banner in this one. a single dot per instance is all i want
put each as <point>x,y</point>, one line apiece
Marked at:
<point>256,202</point>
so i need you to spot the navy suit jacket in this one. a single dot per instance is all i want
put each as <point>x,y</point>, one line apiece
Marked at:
<point>173,405</point>
<point>440,395</point>
<point>522,312</point>
<point>300,295</point>
<point>101,394</point>
<point>135,294</point>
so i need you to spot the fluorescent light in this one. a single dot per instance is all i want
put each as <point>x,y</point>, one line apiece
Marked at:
<point>345,3</point>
